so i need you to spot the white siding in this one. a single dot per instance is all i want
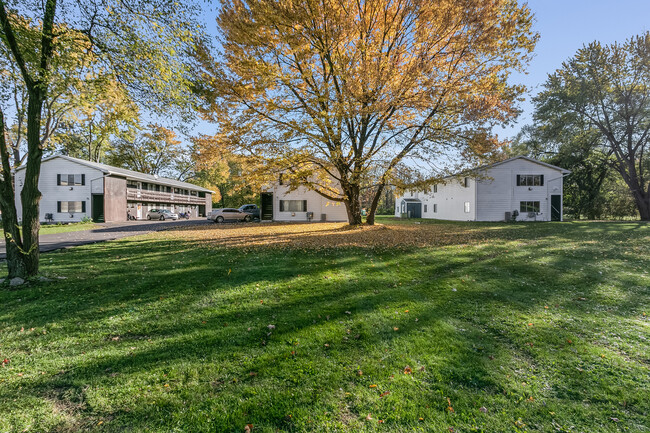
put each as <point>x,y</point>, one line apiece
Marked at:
<point>319,205</point>
<point>51,192</point>
<point>493,193</point>
<point>498,193</point>
<point>450,199</point>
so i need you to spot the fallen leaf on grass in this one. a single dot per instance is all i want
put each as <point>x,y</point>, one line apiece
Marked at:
<point>384,394</point>
<point>248,428</point>
<point>372,386</point>
<point>483,409</point>
<point>395,329</point>
<point>368,417</point>
<point>449,408</point>
<point>407,370</point>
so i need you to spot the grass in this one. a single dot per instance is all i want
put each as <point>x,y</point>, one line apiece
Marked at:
<point>66,228</point>
<point>434,327</point>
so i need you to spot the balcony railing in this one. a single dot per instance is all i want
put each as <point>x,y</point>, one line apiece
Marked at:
<point>162,197</point>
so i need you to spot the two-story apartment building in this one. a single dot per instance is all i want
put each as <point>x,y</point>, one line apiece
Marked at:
<point>280,203</point>
<point>74,188</point>
<point>492,193</point>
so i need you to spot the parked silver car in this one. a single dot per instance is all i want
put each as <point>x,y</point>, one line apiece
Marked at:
<point>161,214</point>
<point>229,214</point>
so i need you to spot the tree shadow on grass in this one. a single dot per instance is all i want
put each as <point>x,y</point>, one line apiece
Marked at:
<point>196,305</point>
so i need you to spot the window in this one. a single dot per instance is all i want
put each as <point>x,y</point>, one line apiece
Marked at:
<point>466,184</point>
<point>425,208</point>
<point>70,179</point>
<point>71,206</point>
<point>293,205</point>
<point>466,207</point>
<point>435,188</point>
<point>529,206</point>
<point>131,184</point>
<point>530,180</point>
<point>435,208</point>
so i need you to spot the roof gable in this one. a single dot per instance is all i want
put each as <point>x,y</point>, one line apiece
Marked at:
<point>526,158</point>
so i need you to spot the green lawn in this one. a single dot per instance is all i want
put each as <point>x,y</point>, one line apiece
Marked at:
<point>498,328</point>
<point>65,228</point>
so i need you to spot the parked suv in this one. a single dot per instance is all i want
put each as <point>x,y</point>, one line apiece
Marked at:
<point>161,214</point>
<point>251,209</point>
<point>228,214</point>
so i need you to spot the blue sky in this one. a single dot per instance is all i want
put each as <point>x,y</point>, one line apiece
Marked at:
<point>564,27</point>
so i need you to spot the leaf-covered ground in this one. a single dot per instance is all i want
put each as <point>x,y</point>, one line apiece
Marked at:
<point>408,327</point>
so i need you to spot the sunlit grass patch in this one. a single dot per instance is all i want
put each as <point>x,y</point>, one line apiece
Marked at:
<point>474,327</point>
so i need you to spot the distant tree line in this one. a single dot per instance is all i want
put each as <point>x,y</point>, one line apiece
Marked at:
<point>593,118</point>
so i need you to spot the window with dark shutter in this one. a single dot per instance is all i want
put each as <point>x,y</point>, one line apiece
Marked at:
<point>530,180</point>
<point>58,206</point>
<point>293,205</point>
<point>58,179</point>
<point>83,179</point>
<point>83,206</point>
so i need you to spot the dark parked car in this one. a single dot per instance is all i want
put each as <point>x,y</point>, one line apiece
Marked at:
<point>251,209</point>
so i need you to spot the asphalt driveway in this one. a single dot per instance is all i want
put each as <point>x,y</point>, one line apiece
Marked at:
<point>106,232</point>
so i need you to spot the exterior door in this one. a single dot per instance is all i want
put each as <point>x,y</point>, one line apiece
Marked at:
<point>556,207</point>
<point>98,208</point>
<point>266,211</point>
<point>414,210</point>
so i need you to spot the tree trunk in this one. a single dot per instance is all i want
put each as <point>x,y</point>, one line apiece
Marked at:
<point>643,205</point>
<point>370,219</point>
<point>13,240</point>
<point>25,263</point>
<point>352,204</point>
<point>30,195</point>
<point>641,198</point>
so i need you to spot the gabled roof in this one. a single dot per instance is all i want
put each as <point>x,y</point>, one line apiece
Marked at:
<point>129,174</point>
<point>554,167</point>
